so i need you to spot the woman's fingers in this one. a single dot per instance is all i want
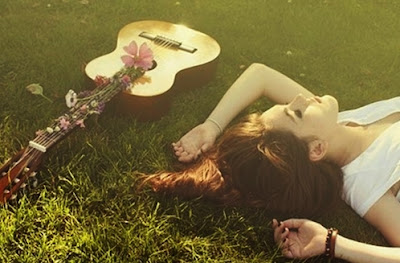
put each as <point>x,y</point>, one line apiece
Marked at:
<point>282,237</point>
<point>181,153</point>
<point>185,157</point>
<point>176,145</point>
<point>286,252</point>
<point>294,223</point>
<point>280,231</point>
<point>274,223</point>
<point>178,150</point>
<point>286,248</point>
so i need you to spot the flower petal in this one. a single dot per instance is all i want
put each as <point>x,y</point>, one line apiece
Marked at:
<point>132,48</point>
<point>128,60</point>
<point>145,51</point>
<point>64,123</point>
<point>80,123</point>
<point>70,98</point>
<point>144,64</point>
<point>126,80</point>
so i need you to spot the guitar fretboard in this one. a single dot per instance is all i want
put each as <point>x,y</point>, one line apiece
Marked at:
<point>84,107</point>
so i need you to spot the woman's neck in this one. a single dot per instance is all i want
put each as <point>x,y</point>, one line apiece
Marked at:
<point>347,143</point>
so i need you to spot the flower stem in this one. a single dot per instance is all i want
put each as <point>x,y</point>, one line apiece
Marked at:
<point>46,98</point>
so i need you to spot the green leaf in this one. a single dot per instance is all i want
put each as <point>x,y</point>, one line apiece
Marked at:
<point>36,89</point>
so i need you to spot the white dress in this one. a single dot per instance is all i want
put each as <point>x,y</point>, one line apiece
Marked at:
<point>368,177</point>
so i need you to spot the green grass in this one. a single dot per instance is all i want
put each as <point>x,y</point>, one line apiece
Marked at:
<point>85,207</point>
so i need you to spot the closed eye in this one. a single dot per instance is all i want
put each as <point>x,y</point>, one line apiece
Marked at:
<point>286,111</point>
<point>298,113</point>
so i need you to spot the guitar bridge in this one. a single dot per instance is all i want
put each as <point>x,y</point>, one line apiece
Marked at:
<point>161,40</point>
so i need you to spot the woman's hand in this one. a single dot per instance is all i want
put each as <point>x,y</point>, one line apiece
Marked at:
<point>300,238</point>
<point>196,141</point>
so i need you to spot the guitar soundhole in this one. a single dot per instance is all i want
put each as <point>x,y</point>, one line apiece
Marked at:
<point>153,66</point>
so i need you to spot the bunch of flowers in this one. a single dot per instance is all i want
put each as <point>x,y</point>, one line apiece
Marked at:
<point>136,61</point>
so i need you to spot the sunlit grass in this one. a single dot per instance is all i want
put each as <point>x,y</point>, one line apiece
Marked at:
<point>85,207</point>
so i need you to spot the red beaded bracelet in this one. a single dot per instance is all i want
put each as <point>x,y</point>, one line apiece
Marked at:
<point>331,242</point>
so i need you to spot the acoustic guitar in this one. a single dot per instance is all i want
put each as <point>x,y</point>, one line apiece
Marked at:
<point>181,57</point>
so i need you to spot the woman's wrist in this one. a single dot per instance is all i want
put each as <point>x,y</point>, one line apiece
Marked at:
<point>330,242</point>
<point>216,125</point>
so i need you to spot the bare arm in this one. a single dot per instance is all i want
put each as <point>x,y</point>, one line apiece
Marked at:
<point>354,251</point>
<point>384,215</point>
<point>307,239</point>
<point>256,81</point>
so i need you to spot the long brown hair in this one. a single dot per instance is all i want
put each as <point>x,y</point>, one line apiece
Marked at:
<point>261,167</point>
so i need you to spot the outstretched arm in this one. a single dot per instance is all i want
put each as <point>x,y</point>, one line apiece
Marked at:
<point>300,238</point>
<point>256,81</point>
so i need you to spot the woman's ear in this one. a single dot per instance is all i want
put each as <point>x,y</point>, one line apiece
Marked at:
<point>317,149</point>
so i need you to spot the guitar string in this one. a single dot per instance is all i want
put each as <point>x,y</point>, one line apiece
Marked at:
<point>48,139</point>
<point>163,45</point>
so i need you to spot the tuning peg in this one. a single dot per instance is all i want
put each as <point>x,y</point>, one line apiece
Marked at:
<point>13,197</point>
<point>23,185</point>
<point>3,173</point>
<point>16,180</point>
<point>6,191</point>
<point>33,174</point>
<point>26,169</point>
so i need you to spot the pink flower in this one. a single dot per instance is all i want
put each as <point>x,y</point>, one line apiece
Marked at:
<point>142,58</point>
<point>80,123</point>
<point>101,80</point>
<point>39,132</point>
<point>83,108</point>
<point>64,123</point>
<point>126,80</point>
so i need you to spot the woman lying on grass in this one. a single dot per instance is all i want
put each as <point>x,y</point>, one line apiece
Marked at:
<point>298,158</point>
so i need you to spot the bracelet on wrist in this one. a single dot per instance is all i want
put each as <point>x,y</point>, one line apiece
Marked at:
<point>216,124</point>
<point>331,242</point>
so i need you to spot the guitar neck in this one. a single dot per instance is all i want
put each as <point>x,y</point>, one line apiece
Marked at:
<point>93,103</point>
<point>25,163</point>
<point>16,171</point>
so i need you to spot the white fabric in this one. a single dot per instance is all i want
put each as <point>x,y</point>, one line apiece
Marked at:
<point>376,170</point>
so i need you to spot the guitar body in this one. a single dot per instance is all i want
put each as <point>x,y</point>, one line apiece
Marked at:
<point>183,58</point>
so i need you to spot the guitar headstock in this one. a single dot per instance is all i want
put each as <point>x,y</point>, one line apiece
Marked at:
<point>15,172</point>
